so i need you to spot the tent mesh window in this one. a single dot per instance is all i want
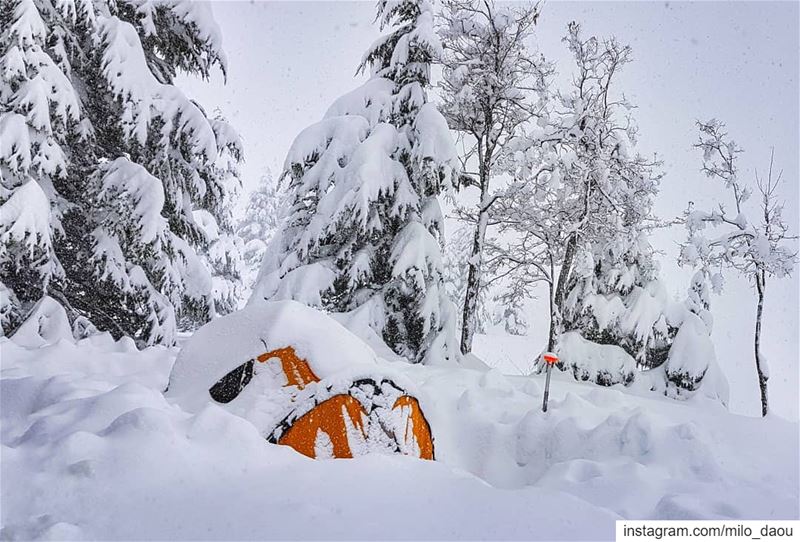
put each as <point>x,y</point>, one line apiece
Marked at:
<point>229,386</point>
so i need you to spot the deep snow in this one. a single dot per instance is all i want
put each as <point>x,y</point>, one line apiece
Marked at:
<point>92,449</point>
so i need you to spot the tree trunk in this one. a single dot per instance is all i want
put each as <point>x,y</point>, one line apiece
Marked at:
<point>557,303</point>
<point>557,306</point>
<point>763,376</point>
<point>474,282</point>
<point>475,264</point>
<point>551,337</point>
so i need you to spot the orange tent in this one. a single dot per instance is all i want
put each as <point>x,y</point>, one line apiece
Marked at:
<point>371,413</point>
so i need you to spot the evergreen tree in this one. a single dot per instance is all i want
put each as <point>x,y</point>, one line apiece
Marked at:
<point>690,351</point>
<point>103,162</point>
<point>265,211</point>
<point>365,226</point>
<point>615,297</point>
<point>222,251</point>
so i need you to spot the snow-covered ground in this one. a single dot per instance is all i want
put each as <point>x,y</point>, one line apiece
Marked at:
<point>91,449</point>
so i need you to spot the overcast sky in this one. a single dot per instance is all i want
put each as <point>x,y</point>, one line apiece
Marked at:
<point>736,61</point>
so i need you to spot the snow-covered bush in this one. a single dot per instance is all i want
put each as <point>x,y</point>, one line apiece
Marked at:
<point>674,337</point>
<point>689,355</point>
<point>603,364</point>
<point>103,162</point>
<point>364,226</point>
<point>47,324</point>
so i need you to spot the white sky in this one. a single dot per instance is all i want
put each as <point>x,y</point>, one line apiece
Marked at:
<point>737,61</point>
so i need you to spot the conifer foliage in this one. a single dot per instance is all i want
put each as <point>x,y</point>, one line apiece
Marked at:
<point>105,164</point>
<point>365,226</point>
<point>262,217</point>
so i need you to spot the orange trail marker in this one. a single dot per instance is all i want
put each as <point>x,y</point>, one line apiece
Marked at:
<point>550,359</point>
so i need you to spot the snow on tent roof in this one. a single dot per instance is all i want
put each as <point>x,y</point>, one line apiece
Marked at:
<point>225,343</point>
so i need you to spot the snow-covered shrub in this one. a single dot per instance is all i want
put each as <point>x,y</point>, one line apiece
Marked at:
<point>671,338</point>
<point>689,355</point>
<point>103,162</point>
<point>615,297</point>
<point>691,362</point>
<point>603,364</point>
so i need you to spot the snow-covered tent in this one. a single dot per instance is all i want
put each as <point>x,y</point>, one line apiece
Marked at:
<point>303,380</point>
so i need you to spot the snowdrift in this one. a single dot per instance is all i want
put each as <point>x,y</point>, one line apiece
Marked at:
<point>90,448</point>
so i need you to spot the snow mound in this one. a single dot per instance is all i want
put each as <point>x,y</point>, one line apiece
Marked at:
<point>46,324</point>
<point>71,441</point>
<point>79,420</point>
<point>638,455</point>
<point>227,342</point>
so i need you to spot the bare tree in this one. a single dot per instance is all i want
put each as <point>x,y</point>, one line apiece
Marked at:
<point>491,87</point>
<point>578,181</point>
<point>756,250</point>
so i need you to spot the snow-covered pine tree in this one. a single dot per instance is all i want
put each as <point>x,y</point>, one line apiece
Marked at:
<point>365,226</point>
<point>38,106</point>
<point>103,162</point>
<point>615,297</point>
<point>690,351</point>
<point>222,248</point>
<point>265,211</point>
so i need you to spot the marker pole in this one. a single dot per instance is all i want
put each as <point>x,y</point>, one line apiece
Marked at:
<point>547,388</point>
<point>550,359</point>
